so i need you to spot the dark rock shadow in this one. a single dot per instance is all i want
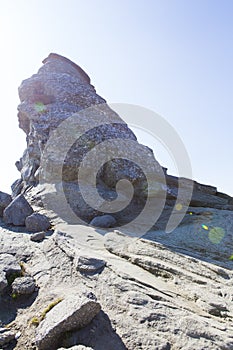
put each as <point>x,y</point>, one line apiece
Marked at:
<point>10,305</point>
<point>99,335</point>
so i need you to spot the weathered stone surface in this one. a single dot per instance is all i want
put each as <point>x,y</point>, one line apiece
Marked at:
<point>23,285</point>
<point>5,200</point>
<point>89,265</point>
<point>103,221</point>
<point>72,313</point>
<point>203,195</point>
<point>6,336</point>
<point>3,281</point>
<point>37,222</point>
<point>17,211</point>
<point>9,264</point>
<point>37,237</point>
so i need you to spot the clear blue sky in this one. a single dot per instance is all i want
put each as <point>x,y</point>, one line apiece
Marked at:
<point>172,56</point>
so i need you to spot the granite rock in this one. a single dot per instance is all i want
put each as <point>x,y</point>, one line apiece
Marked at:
<point>17,211</point>
<point>87,264</point>
<point>5,200</point>
<point>23,285</point>
<point>72,313</point>
<point>37,222</point>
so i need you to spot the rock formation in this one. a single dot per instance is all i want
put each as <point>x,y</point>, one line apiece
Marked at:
<point>82,287</point>
<point>59,92</point>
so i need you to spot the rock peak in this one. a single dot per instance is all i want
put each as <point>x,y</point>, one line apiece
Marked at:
<point>58,61</point>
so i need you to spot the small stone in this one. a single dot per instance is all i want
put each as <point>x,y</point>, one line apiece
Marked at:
<point>5,200</point>
<point>103,221</point>
<point>23,285</point>
<point>72,313</point>
<point>89,265</point>
<point>18,335</point>
<point>17,211</point>
<point>37,222</point>
<point>37,237</point>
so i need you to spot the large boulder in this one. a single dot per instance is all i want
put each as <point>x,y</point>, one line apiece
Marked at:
<point>72,313</point>
<point>5,200</point>
<point>37,223</point>
<point>17,211</point>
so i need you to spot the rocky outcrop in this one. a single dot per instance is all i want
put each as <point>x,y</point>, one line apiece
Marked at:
<point>61,94</point>
<point>203,195</point>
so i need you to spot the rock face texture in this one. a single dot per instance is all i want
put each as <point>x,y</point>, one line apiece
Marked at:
<point>37,222</point>
<point>23,285</point>
<point>72,313</point>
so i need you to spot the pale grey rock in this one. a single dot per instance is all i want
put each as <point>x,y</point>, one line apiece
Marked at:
<point>23,285</point>
<point>37,223</point>
<point>5,200</point>
<point>3,281</point>
<point>37,237</point>
<point>9,264</point>
<point>6,336</point>
<point>72,313</point>
<point>17,211</point>
<point>104,221</point>
<point>88,264</point>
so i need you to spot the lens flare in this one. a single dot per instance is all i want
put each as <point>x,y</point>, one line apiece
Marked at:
<point>179,206</point>
<point>40,107</point>
<point>216,234</point>
<point>205,227</point>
